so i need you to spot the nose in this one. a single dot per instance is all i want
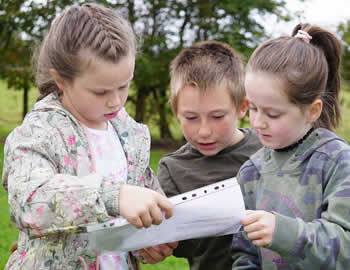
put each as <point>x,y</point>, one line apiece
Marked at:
<point>259,121</point>
<point>204,130</point>
<point>113,100</point>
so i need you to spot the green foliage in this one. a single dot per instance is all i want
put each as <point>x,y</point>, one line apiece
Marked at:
<point>344,30</point>
<point>164,28</point>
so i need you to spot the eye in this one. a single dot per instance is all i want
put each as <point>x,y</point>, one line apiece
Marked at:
<point>251,108</point>
<point>123,87</point>
<point>272,116</point>
<point>218,116</point>
<point>101,93</point>
<point>190,118</point>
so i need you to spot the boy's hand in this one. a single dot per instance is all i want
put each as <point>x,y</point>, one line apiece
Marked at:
<point>156,254</point>
<point>259,226</point>
<point>143,207</point>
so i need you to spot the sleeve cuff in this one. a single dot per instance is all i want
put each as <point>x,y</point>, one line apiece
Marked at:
<point>110,197</point>
<point>286,234</point>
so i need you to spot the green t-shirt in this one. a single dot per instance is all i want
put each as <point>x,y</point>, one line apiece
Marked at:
<point>187,169</point>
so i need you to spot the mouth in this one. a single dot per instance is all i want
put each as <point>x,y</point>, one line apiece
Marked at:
<point>266,136</point>
<point>207,145</point>
<point>260,133</point>
<point>111,115</point>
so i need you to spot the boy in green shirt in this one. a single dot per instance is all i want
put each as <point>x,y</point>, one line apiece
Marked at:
<point>207,96</point>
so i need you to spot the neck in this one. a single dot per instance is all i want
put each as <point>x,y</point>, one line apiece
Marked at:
<point>294,145</point>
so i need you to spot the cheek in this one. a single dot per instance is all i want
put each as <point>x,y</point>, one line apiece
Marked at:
<point>284,129</point>
<point>224,128</point>
<point>187,128</point>
<point>251,118</point>
<point>125,97</point>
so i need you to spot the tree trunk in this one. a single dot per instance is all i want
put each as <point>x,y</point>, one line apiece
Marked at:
<point>25,101</point>
<point>140,106</point>
<point>164,129</point>
<point>163,122</point>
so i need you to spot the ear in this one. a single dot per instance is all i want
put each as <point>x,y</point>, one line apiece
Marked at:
<point>242,110</point>
<point>315,110</point>
<point>60,82</point>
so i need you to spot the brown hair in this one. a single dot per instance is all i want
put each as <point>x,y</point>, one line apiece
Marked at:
<point>308,70</point>
<point>90,27</point>
<point>207,65</point>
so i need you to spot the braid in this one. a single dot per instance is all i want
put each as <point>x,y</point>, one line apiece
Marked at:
<point>90,27</point>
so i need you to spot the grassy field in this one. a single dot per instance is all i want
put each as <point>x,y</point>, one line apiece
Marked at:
<point>10,116</point>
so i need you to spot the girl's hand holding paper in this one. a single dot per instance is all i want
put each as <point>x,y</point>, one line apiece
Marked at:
<point>143,207</point>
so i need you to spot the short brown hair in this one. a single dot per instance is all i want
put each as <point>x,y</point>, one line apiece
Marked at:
<point>207,65</point>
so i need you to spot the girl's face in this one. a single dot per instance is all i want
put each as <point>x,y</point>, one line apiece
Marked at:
<point>278,122</point>
<point>99,92</point>
<point>209,119</point>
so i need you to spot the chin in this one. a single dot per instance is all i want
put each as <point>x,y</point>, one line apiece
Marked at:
<point>208,153</point>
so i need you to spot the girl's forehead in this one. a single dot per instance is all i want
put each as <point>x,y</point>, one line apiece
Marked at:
<point>89,59</point>
<point>106,74</point>
<point>267,92</point>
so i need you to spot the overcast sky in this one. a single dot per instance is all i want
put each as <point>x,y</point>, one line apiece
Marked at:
<point>325,13</point>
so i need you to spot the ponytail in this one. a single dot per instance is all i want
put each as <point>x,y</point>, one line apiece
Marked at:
<point>332,50</point>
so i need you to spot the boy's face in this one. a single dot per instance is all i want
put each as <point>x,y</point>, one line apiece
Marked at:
<point>209,119</point>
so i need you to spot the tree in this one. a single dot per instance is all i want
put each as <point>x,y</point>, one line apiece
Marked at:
<point>15,51</point>
<point>164,28</point>
<point>344,30</point>
<point>22,26</point>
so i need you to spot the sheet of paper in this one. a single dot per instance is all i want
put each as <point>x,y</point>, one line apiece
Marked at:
<point>212,210</point>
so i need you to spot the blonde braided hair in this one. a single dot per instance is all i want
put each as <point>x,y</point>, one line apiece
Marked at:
<point>101,31</point>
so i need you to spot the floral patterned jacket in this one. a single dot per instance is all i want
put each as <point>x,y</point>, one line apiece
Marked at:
<point>53,190</point>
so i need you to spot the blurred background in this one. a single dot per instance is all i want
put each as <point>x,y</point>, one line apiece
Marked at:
<point>164,28</point>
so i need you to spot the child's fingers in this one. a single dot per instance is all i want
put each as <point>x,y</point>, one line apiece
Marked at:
<point>149,258</point>
<point>136,221</point>
<point>261,242</point>
<point>250,217</point>
<point>146,219</point>
<point>165,204</point>
<point>255,235</point>
<point>165,250</point>
<point>156,254</point>
<point>249,212</point>
<point>157,216</point>
<point>252,227</point>
<point>173,245</point>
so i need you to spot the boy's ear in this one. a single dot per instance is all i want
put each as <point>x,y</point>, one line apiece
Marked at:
<point>243,109</point>
<point>60,82</point>
<point>315,110</point>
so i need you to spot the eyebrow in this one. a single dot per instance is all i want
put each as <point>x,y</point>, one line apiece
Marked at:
<point>210,112</point>
<point>110,89</point>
